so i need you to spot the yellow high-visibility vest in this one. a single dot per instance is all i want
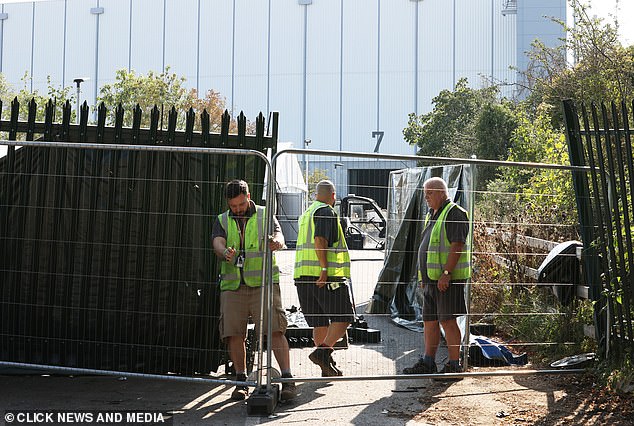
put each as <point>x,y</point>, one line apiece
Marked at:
<point>438,250</point>
<point>254,251</point>
<point>306,260</point>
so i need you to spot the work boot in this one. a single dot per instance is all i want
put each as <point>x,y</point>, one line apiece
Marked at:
<point>333,365</point>
<point>289,390</point>
<point>421,367</point>
<point>322,357</point>
<point>450,368</point>
<point>240,392</point>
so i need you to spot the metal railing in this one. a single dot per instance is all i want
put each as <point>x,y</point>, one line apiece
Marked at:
<point>325,156</point>
<point>392,349</point>
<point>601,138</point>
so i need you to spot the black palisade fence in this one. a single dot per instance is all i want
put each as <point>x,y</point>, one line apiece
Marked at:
<point>601,138</point>
<point>105,256</point>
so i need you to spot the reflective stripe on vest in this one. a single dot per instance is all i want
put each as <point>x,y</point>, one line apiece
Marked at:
<point>306,260</point>
<point>438,249</point>
<point>254,251</point>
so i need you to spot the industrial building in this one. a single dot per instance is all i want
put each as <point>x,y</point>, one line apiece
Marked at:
<point>344,74</point>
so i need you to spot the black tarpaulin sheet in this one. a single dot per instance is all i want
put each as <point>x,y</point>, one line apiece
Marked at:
<point>396,289</point>
<point>106,260</point>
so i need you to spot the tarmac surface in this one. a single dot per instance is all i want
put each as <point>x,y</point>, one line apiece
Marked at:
<point>362,402</point>
<point>349,401</point>
<point>370,393</point>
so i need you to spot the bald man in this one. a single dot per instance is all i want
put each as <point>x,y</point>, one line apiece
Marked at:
<point>322,268</point>
<point>444,265</point>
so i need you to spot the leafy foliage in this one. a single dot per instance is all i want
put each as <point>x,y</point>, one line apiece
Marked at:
<point>463,123</point>
<point>130,89</point>
<point>601,68</point>
<point>164,90</point>
<point>215,105</point>
<point>619,377</point>
<point>449,129</point>
<point>5,90</point>
<point>313,179</point>
<point>552,331</point>
<point>535,195</point>
<point>58,95</point>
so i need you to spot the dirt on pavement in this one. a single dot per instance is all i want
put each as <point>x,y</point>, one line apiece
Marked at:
<point>559,399</point>
<point>501,400</point>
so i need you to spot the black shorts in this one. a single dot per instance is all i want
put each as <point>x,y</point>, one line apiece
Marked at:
<point>321,306</point>
<point>441,306</point>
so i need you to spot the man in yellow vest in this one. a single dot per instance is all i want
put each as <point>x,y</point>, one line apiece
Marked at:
<point>322,267</point>
<point>238,237</point>
<point>444,261</point>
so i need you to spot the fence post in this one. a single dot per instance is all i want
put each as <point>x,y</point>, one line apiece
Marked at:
<point>66,113</point>
<point>83,122</point>
<point>118,124</point>
<point>591,262</point>
<point>30,132</point>
<point>241,171</point>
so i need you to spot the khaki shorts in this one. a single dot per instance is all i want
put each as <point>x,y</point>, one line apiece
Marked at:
<point>236,307</point>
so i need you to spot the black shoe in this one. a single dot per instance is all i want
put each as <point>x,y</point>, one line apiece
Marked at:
<point>322,357</point>
<point>240,392</point>
<point>449,368</point>
<point>420,367</point>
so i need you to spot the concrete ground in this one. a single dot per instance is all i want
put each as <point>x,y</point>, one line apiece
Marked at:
<point>347,402</point>
<point>351,402</point>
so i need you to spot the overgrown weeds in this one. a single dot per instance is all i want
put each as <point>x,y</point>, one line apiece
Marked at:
<point>527,316</point>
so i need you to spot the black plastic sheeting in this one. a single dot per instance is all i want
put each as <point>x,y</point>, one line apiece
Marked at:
<point>106,260</point>
<point>396,289</point>
<point>562,269</point>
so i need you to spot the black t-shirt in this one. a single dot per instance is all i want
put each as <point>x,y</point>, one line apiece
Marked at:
<point>326,227</point>
<point>456,227</point>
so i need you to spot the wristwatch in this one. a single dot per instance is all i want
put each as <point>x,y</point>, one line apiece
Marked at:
<point>446,272</point>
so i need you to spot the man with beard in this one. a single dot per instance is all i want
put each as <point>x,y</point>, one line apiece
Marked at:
<point>238,236</point>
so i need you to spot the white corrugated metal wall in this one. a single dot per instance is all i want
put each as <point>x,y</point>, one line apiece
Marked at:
<point>336,70</point>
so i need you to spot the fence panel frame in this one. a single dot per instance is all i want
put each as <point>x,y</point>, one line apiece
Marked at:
<point>266,272</point>
<point>425,160</point>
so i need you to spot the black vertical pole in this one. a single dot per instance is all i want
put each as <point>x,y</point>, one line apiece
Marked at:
<point>616,312</point>
<point>584,208</point>
<point>12,234</point>
<point>128,242</point>
<point>242,144</point>
<point>619,272</point>
<point>625,234</point>
<point>595,268</point>
<point>207,274</point>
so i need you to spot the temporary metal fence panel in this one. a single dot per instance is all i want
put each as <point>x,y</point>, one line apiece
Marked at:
<point>526,266</point>
<point>66,297</point>
<point>106,259</point>
<point>600,137</point>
